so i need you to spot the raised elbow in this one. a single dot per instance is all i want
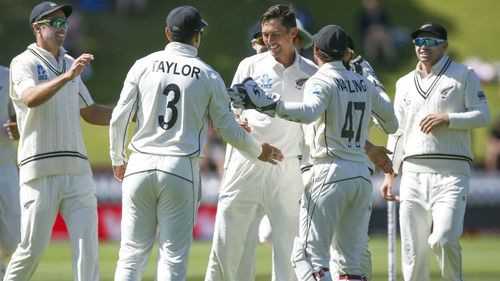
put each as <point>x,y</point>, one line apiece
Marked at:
<point>29,102</point>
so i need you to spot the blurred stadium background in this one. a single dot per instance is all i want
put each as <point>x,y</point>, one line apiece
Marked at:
<point>117,37</point>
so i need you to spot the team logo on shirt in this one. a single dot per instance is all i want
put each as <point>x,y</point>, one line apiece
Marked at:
<point>27,204</point>
<point>299,83</point>
<point>445,92</point>
<point>42,73</point>
<point>407,99</point>
<point>481,95</point>
<point>265,83</point>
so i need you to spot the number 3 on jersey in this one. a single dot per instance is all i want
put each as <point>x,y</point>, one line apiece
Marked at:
<point>347,129</point>
<point>172,94</point>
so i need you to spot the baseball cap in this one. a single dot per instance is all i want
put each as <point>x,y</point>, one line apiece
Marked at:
<point>431,27</point>
<point>45,8</point>
<point>255,31</point>
<point>331,40</point>
<point>185,21</point>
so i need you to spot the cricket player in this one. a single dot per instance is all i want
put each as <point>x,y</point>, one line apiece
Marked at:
<point>49,98</point>
<point>251,189</point>
<point>173,94</point>
<point>302,41</point>
<point>336,203</point>
<point>437,104</point>
<point>10,212</point>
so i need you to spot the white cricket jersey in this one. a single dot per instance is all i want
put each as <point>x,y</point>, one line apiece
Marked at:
<point>173,93</point>
<point>51,141</point>
<point>451,88</point>
<point>288,82</point>
<point>7,148</point>
<point>339,104</point>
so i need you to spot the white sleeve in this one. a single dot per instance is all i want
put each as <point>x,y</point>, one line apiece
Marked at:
<point>241,72</point>
<point>316,99</point>
<point>477,112</point>
<point>22,78</point>
<point>122,115</point>
<point>395,141</point>
<point>383,111</point>
<point>224,121</point>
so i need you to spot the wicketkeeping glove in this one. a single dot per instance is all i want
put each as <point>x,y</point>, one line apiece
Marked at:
<point>248,95</point>
<point>363,68</point>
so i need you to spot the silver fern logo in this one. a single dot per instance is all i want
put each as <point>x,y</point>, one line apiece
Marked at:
<point>445,92</point>
<point>407,99</point>
<point>299,83</point>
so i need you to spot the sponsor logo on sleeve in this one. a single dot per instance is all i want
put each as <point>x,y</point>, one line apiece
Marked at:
<point>42,73</point>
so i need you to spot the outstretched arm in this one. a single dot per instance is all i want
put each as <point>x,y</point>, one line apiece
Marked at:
<point>97,114</point>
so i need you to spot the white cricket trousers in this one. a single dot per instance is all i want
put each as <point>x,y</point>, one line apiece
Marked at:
<point>434,202</point>
<point>335,211</point>
<point>250,189</point>
<point>166,197</point>
<point>41,199</point>
<point>10,212</point>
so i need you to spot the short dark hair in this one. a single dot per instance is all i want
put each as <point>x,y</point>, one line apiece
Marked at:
<point>186,39</point>
<point>284,13</point>
<point>328,58</point>
<point>323,57</point>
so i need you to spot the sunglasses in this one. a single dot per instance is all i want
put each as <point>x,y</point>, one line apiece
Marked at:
<point>428,42</point>
<point>57,23</point>
<point>259,41</point>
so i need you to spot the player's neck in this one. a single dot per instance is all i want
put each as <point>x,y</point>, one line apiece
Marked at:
<point>287,59</point>
<point>426,67</point>
<point>54,50</point>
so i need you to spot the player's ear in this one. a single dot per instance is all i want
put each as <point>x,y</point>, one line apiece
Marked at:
<point>197,39</point>
<point>167,33</point>
<point>294,31</point>
<point>36,27</point>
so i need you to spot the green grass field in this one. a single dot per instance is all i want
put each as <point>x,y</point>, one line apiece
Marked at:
<point>481,260</point>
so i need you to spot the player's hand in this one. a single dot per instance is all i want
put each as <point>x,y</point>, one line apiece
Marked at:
<point>378,155</point>
<point>386,188</point>
<point>248,95</point>
<point>79,65</point>
<point>12,130</point>
<point>270,154</point>
<point>119,172</point>
<point>364,68</point>
<point>433,120</point>
<point>244,123</point>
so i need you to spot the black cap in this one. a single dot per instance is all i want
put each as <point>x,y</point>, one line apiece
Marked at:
<point>185,21</point>
<point>256,31</point>
<point>45,8</point>
<point>257,35</point>
<point>331,40</point>
<point>431,27</point>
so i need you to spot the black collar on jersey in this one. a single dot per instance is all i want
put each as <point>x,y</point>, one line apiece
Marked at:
<point>48,64</point>
<point>425,93</point>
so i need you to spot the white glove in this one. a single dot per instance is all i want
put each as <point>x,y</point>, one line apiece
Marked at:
<point>248,95</point>
<point>363,68</point>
